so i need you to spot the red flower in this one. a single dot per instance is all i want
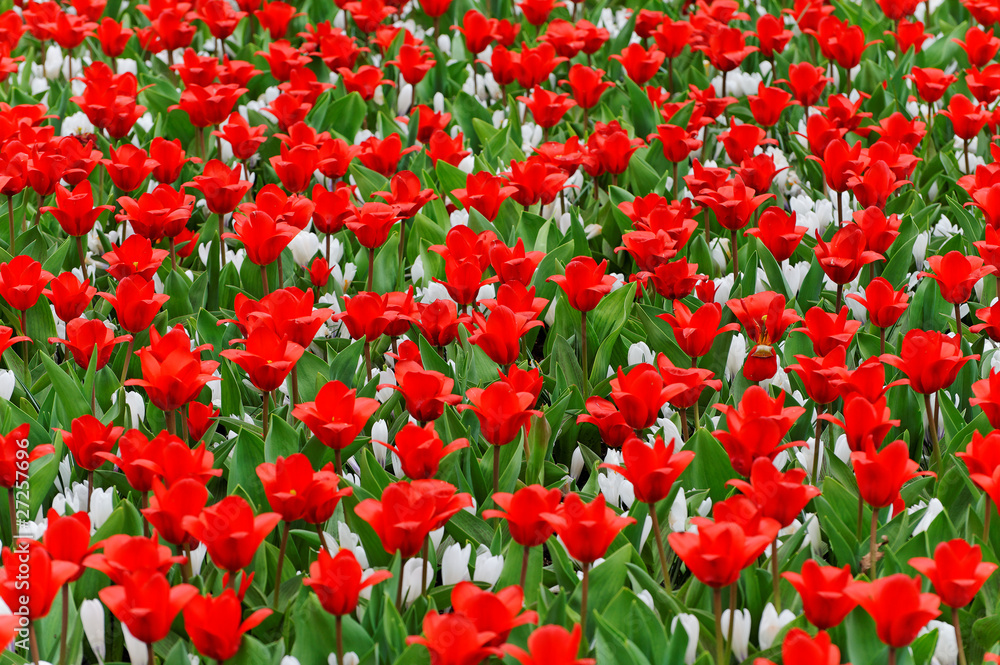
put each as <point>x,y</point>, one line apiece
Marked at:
<point>420,450</point>
<point>242,138</point>
<point>930,83</point>
<point>135,256</point>
<point>823,592</point>
<point>499,336</point>
<point>85,337</point>
<point>275,17</point>
<point>610,146</point>
<point>957,571</point>
<point>733,204</point>
<point>882,474</point>
<point>719,551</point>
<point>408,512</point>
<point>413,62</point>
<point>765,320</point>
<point>651,470</point>
<point>68,539</point>
<point>982,458</point>
<point>873,187</point>
<point>776,230</point>
<point>477,30</point>
<point>956,274</point>
<point>780,496</point>
<point>439,321</point>
<point>696,332</point>
<point>337,416</point>
<point>128,166</point>
<point>677,142</point>
<point>168,508</point>
<point>586,529</point>
<point>898,607</point>
<point>672,36</point>
<point>454,639</point>
<point>584,282</point>
<point>550,645</point>
<point>609,421</point>
<point>173,373</point>
<point>266,358</point>
<point>22,281</point>
<point>136,303</point>
<point>31,561</point>
<point>295,166</point>
<point>587,85</point>
<point>372,222</point>
<point>337,581</point>
<point>112,36</point>
<point>221,186</point>
<point>231,532</point>
<point>537,11</point>
<point>863,420</point>
<point>164,212</point>
<point>127,557</point>
<point>967,119</point>
<point>484,192</point>
<point>75,210</point>
<point>147,604</point>
<point>88,439</point>
<point>523,511</point>
<point>640,394</point>
<point>199,418</point>
<point>756,427</point>
<point>13,447</point>
<point>726,48</point>
<point>827,331</point>
<point>931,360</point>
<point>772,35</point>
<point>883,304</point>
<point>383,155</point>
<point>365,81</point>
<point>216,625</point>
<point>70,298</point>
<point>502,411</point>
<point>843,257</point>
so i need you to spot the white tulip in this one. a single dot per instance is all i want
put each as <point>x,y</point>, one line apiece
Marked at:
<point>771,624</point>
<point>689,623</point>
<point>488,566</point>
<point>92,617</point>
<point>455,564</point>
<point>137,654</point>
<point>741,633</point>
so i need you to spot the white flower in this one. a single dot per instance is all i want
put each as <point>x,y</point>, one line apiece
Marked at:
<point>647,528</point>
<point>7,383</point>
<point>814,536</point>
<point>920,248</point>
<point>946,651</point>
<point>741,632</point>
<point>455,564</point>
<point>488,566</point>
<point>304,246</point>
<point>615,488</point>
<point>412,578</point>
<point>350,658</point>
<point>198,558</point>
<point>576,463</point>
<point>292,660</point>
<point>689,623</point>
<point>380,432</point>
<point>934,508</point>
<point>137,654</point>
<point>737,354</point>
<point>639,353</point>
<point>405,99</point>
<point>647,598</point>
<point>136,405</point>
<point>92,617</point>
<point>678,514</point>
<point>771,624</point>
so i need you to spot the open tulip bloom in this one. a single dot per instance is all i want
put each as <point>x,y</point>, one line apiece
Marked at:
<point>551,332</point>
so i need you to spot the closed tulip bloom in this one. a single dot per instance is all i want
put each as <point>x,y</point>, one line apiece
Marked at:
<point>147,604</point>
<point>719,551</point>
<point>498,613</point>
<point>168,508</point>
<point>584,282</point>
<point>957,571</point>
<point>439,321</point>
<point>652,470</point>
<point>777,231</point>
<point>523,511</point>
<point>372,222</point>
<point>768,104</point>
<point>426,392</point>
<point>586,529</point>
<point>780,496</point>
<point>75,211</point>
<point>800,647</point>
<point>420,450</point>
<point>69,296</point>
<point>987,397</point>
<point>296,492</point>
<point>409,511</point>
<point>897,606</point>
<point>756,427</point>
<point>172,372</point>
<point>85,337</point>
<point>136,303</point>
<point>12,454</point>
<point>266,358</point>
<point>128,166</point>
<point>222,187</point>
<point>499,336</point>
<point>231,532</point>
<point>132,556</point>
<point>550,645</point>
<point>216,625</point>
<point>502,411</point>
<point>453,639</point>
<point>22,281</point>
<point>67,538</point>
<point>484,192</point>
<point>640,394</point>
<point>956,275</point>
<point>88,437</point>
<point>609,421</point>
<point>337,581</point>
<point>882,474</point>
<point>639,64</point>
<point>547,108</point>
<point>587,85</point>
<point>931,84</point>
<point>863,419</point>
<point>695,332</point>
<point>170,159</point>
<point>337,416</point>
<point>883,303</point>
<point>843,257</point>
<point>31,561</point>
<point>823,590</point>
<point>930,360</point>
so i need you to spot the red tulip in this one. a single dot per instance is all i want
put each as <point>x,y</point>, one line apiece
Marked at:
<point>502,411</point>
<point>651,470</point>
<point>499,336</point>
<point>957,571</point>
<point>776,230</point>
<point>930,83</point>
<point>584,282</point>
<point>231,532</point>
<point>75,211</point>
<point>609,421</point>
<point>898,607</point>
<point>172,373</point>
<point>147,604</point>
<point>843,257</point>
<point>136,303</point>
<point>266,358</point>
<point>31,561</point>
<point>168,508</point>
<point>14,452</point>
<point>216,625</point>
<point>69,296</point>
<point>768,104</point>
<point>764,319</point>
<point>221,186</point>
<point>523,511</point>
<point>420,450</point>
<point>135,256</point>
<point>882,474</point>
<point>930,360</point>
<point>863,419</point>
<point>87,337</point>
<point>956,275</point>
<point>484,192</point>
<point>586,529</point>
<point>587,85</point>
<point>823,592</point>
<point>719,551</point>
<point>295,491</point>
<point>550,645</point>
<point>756,427</point>
<point>337,416</point>
<point>22,281</point>
<point>338,582</point>
<point>453,639</point>
<point>883,304</point>
<point>88,438</point>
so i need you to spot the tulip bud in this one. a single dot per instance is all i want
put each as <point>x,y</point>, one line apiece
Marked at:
<point>455,564</point>
<point>946,650</point>
<point>412,578</point>
<point>741,632</point>
<point>350,658</point>
<point>137,654</point>
<point>678,513</point>
<point>7,383</point>
<point>488,566</point>
<point>647,527</point>
<point>92,617</point>
<point>689,623</point>
<point>771,624</point>
<point>576,464</point>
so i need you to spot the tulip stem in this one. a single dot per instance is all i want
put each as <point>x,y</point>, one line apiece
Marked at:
<point>424,555</point>
<point>295,385</point>
<point>371,268</point>
<point>173,253</point>
<point>871,545</point>
<point>881,340</point>
<point>892,655</point>
<point>496,469</point>
<point>965,150</point>
<point>337,463</point>
<point>732,622</point>
<point>322,538</point>
<point>958,322</point>
<point>525,556</point>
<point>840,209</point>
<point>368,360</point>
<point>187,571</point>
<point>150,655</point>
<point>266,407</point>
<point>399,585</point>
<point>65,624</point>
<point>10,222</point>
<point>90,489</point>
<point>340,639</point>
<point>222,243</point>
<point>585,643</point>
<point>401,256</point>
<point>33,643</point>
<point>776,575</point>
<point>664,567</point>
<point>171,421</point>
<point>128,357</point>
<point>263,280</point>
<point>583,354</point>
<point>958,636</point>
<point>685,434</point>
<point>935,445</point>
<point>83,256</point>
<point>818,444</point>
<point>717,607</point>
<point>840,297</point>
<point>736,256</point>
<point>281,561</point>
<point>676,186</point>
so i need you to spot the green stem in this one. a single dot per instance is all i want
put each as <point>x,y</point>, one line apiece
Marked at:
<point>425,554</point>
<point>65,624</point>
<point>340,639</point>
<point>720,648</point>
<point>776,575</point>
<point>818,444</point>
<point>281,561</point>
<point>872,564</point>
<point>935,445</point>
<point>584,643</point>
<point>267,408</point>
<point>496,469</point>
<point>524,565</point>
<point>583,354</point>
<point>659,548</point>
